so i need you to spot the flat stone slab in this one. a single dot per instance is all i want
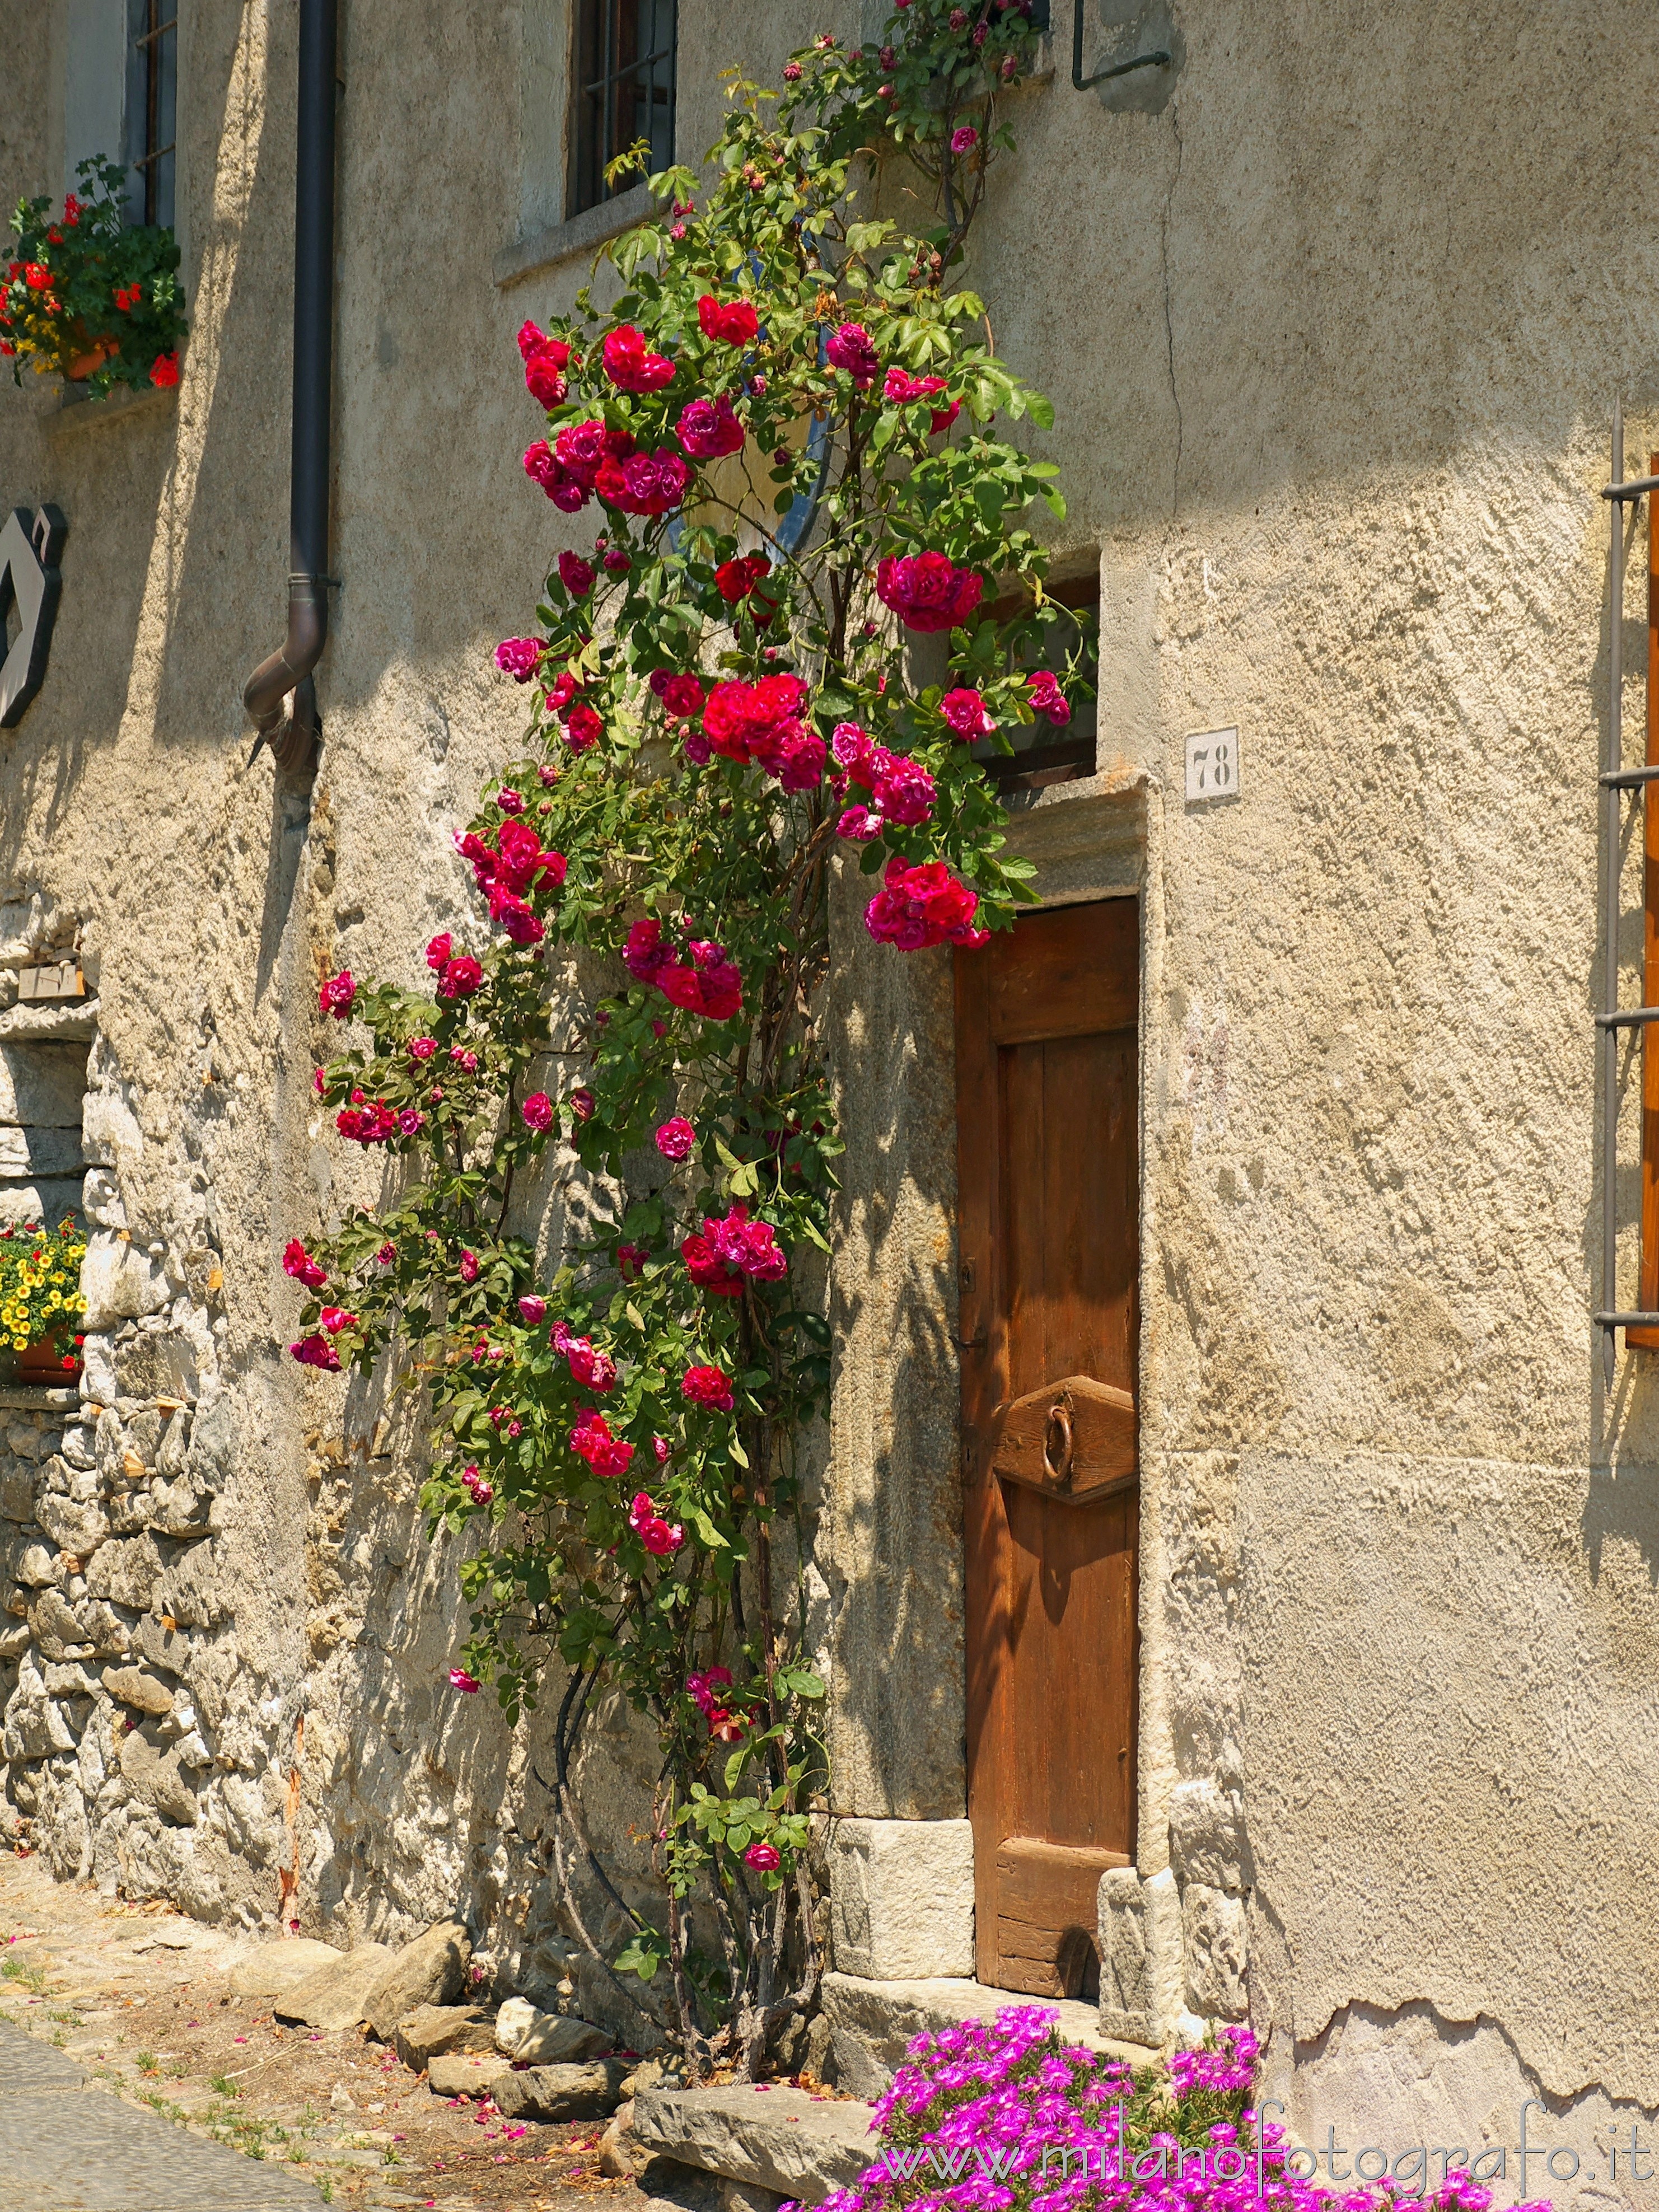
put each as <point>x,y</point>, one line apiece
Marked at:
<point>69,2146</point>
<point>785,2139</point>
<point>873,2024</point>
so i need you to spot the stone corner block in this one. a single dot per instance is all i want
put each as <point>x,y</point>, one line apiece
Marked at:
<point>1142,1956</point>
<point>1216,1944</point>
<point>901,1899</point>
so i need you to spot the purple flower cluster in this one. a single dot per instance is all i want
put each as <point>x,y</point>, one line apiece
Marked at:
<point>1001,2116</point>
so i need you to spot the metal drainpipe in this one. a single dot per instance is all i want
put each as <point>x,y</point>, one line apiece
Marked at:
<point>293,735</point>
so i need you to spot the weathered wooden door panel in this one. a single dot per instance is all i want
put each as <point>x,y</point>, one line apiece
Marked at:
<point>1049,1178</point>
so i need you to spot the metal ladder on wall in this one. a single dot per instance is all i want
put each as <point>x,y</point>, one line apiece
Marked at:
<point>1614,779</point>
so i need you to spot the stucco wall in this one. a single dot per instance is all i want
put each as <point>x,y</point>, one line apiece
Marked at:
<point>1332,339</point>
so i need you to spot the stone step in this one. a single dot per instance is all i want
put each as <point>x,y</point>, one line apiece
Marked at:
<point>872,2023</point>
<point>783,2140</point>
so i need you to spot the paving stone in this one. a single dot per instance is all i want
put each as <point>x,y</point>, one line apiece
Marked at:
<point>277,1967</point>
<point>433,2031</point>
<point>778,2139</point>
<point>562,2092</point>
<point>66,2146</point>
<point>431,1971</point>
<point>467,2072</point>
<point>334,1996</point>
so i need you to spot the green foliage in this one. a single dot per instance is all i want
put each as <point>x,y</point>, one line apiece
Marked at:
<point>88,294</point>
<point>638,1556</point>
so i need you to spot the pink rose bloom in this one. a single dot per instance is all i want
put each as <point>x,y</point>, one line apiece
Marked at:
<point>904,791</point>
<point>660,1445</point>
<point>474,1484</point>
<point>711,986</point>
<point>675,1138</point>
<point>582,1103</point>
<point>511,915</point>
<point>792,752</point>
<point>465,1060</point>
<point>517,657</point>
<point>411,1121</point>
<point>849,348</point>
<point>928,592</point>
<point>299,1263</point>
<point>460,1680</point>
<point>964,140</point>
<point>762,1857</point>
<point>731,1249</point>
<point>858,824</point>
<point>594,1371</point>
<point>317,1352</point>
<point>543,382</point>
<point>575,574</point>
<point>629,366</point>
<point>510,801</point>
<point>651,484</point>
<point>532,1308</point>
<point>336,994</point>
<point>438,952</point>
<point>537,1111</point>
<point>707,429</point>
<point>707,1386</point>
<point>967,715</point>
<point>422,1048</point>
<point>334,1318</point>
<point>922,906</point>
<point>461,977</point>
<point>469,1267</point>
<point>1046,697</point>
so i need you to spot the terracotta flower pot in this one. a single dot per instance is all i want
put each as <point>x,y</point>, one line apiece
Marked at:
<point>42,1365</point>
<point>98,350</point>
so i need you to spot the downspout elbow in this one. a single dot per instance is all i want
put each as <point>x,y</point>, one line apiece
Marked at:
<point>291,735</point>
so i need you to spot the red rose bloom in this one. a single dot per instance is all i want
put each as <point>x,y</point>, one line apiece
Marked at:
<point>732,321</point>
<point>928,592</point>
<point>922,906</point>
<point>707,1386</point>
<point>630,367</point>
<point>708,427</point>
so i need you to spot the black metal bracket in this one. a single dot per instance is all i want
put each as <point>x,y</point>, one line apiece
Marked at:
<point>1156,60</point>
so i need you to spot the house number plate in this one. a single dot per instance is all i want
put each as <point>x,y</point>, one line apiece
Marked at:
<point>1212,764</point>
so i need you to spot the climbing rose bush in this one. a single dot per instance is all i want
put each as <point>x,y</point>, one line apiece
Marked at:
<point>1003,2116</point>
<point>781,452</point>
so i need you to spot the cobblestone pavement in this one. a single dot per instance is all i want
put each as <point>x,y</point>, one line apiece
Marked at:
<point>132,2081</point>
<point>65,2142</point>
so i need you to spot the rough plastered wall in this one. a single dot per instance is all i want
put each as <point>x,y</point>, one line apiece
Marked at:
<point>1333,337</point>
<point>224,1671</point>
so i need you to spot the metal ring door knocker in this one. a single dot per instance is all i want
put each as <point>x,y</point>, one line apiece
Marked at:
<point>1057,1440</point>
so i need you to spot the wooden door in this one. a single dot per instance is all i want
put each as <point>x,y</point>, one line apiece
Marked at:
<point>1049,1248</point>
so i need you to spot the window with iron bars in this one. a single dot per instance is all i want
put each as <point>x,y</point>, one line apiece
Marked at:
<point>622,80</point>
<point>151,106</point>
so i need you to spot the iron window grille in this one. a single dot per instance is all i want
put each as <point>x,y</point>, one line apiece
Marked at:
<point>151,106</point>
<point>623,55</point>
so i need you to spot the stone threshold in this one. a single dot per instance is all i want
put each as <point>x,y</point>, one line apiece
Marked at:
<point>872,2023</point>
<point>24,1398</point>
<point>773,2142</point>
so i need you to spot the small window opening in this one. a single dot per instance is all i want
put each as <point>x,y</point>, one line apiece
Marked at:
<point>152,107</point>
<point>623,79</point>
<point>1047,752</point>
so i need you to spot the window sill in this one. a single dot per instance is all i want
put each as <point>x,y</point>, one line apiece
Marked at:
<point>564,241</point>
<point>75,414</point>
